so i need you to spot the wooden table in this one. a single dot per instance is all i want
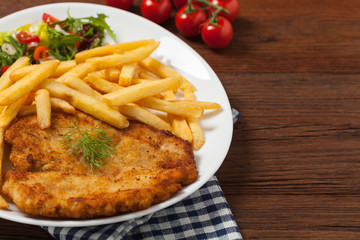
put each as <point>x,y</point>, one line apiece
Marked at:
<point>293,71</point>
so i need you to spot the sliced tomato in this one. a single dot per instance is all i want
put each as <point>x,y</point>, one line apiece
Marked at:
<point>27,37</point>
<point>40,53</point>
<point>4,68</point>
<point>49,19</point>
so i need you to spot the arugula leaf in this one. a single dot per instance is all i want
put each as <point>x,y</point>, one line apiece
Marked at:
<point>76,24</point>
<point>101,24</point>
<point>61,46</point>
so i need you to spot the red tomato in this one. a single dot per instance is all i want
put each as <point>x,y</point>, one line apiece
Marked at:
<point>217,36</point>
<point>157,11</point>
<point>232,6</point>
<point>27,37</point>
<point>180,3</point>
<point>122,4</point>
<point>49,19</point>
<point>188,20</point>
<point>4,68</point>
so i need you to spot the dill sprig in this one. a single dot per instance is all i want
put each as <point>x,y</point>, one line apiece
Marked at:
<point>94,144</point>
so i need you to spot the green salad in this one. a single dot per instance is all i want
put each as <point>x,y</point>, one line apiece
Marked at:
<point>52,38</point>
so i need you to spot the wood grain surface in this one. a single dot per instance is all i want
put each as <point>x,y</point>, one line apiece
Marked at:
<point>292,70</point>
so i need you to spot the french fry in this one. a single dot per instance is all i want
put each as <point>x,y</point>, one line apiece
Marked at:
<point>2,108</point>
<point>164,71</point>
<point>5,80</point>
<point>79,71</point>
<point>96,81</point>
<point>130,110</point>
<point>28,83</point>
<point>86,103</point>
<point>64,67</point>
<point>146,75</point>
<point>109,49</point>
<point>179,126</point>
<point>112,74</point>
<point>21,72</point>
<point>80,85</point>
<point>57,103</point>
<point>43,108</point>
<point>2,132</point>
<point>114,60</point>
<point>175,108</point>
<point>3,203</point>
<point>196,131</point>
<point>27,110</point>
<point>141,80</point>
<point>204,105</point>
<point>95,52</point>
<point>145,116</point>
<point>31,96</point>
<point>140,91</point>
<point>10,111</point>
<point>127,74</point>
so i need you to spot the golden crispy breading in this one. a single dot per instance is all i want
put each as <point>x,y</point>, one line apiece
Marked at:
<point>149,167</point>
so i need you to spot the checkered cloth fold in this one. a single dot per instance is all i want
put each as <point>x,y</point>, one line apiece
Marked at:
<point>203,215</point>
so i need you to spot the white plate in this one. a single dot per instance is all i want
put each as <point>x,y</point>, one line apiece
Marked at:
<point>217,125</point>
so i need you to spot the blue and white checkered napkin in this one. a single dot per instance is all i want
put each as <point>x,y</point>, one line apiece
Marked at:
<point>203,215</point>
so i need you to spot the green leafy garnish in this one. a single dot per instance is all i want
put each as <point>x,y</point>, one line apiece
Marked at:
<point>101,24</point>
<point>7,59</point>
<point>77,25</point>
<point>62,46</point>
<point>95,144</point>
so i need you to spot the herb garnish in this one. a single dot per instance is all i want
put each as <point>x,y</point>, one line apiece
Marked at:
<point>95,144</point>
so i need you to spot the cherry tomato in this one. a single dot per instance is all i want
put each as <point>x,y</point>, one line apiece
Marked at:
<point>232,6</point>
<point>49,19</point>
<point>4,68</point>
<point>40,53</point>
<point>27,37</point>
<point>219,35</point>
<point>189,19</point>
<point>122,4</point>
<point>157,11</point>
<point>180,3</point>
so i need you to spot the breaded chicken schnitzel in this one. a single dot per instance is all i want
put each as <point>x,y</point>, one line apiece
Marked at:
<point>149,166</point>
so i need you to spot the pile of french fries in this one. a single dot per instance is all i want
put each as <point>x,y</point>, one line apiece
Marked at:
<point>113,83</point>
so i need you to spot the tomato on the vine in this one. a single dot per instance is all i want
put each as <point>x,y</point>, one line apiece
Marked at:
<point>180,3</point>
<point>217,33</point>
<point>157,11</point>
<point>189,19</point>
<point>232,6</point>
<point>122,4</point>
